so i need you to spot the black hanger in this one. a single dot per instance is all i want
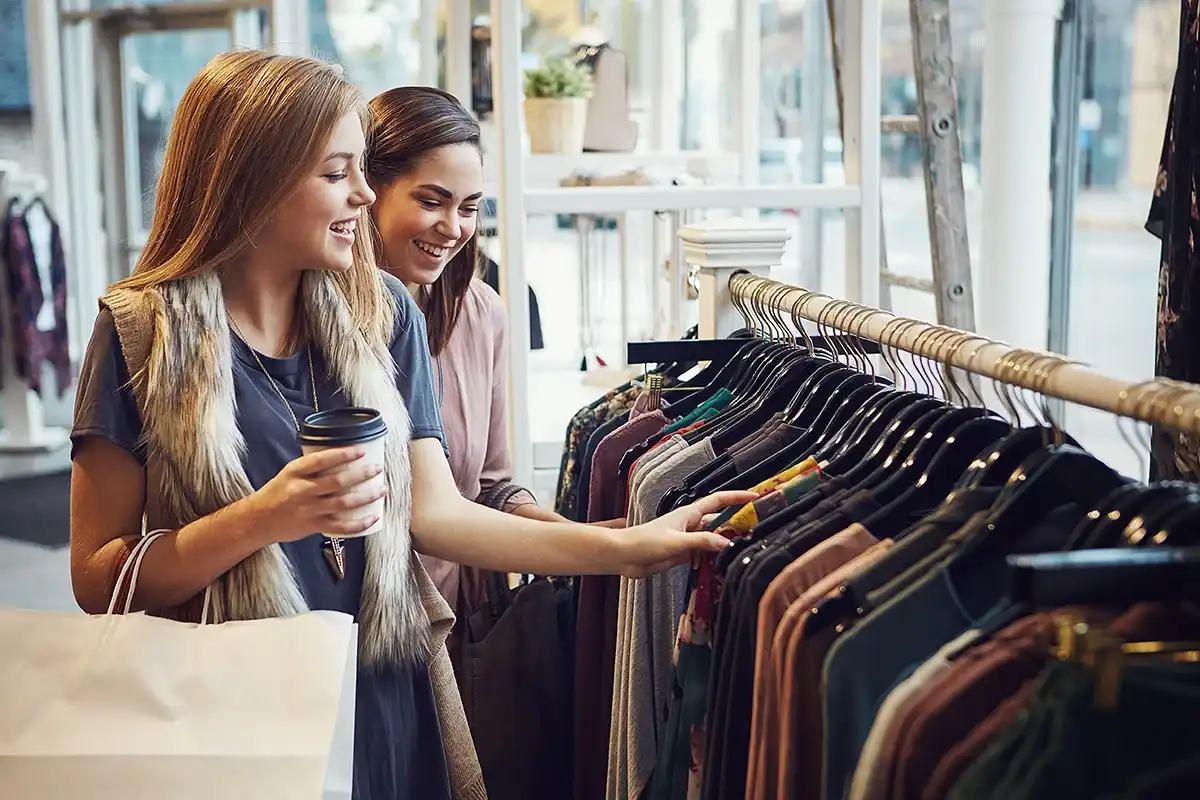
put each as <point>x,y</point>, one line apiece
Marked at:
<point>854,411</point>
<point>704,481</point>
<point>952,439</point>
<point>1086,529</point>
<point>994,467</point>
<point>901,437</point>
<point>727,476</point>
<point>864,430</point>
<point>1110,528</point>
<point>955,453</point>
<point>1056,477</point>
<point>727,376</point>
<point>1148,523</point>
<point>730,428</point>
<point>833,415</point>
<point>1181,528</point>
<point>935,425</point>
<point>1117,576</point>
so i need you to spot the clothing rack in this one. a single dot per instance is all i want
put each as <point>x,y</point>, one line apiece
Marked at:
<point>22,423</point>
<point>735,256</point>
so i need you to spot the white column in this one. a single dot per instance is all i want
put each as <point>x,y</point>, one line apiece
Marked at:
<point>91,266</point>
<point>721,248</point>
<point>812,162</point>
<point>861,90</point>
<point>749,91</point>
<point>290,32</point>
<point>665,36</point>
<point>1013,282</point>
<point>506,99</point>
<point>427,67</point>
<point>458,51</point>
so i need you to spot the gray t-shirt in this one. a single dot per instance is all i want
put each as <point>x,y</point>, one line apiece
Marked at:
<point>397,742</point>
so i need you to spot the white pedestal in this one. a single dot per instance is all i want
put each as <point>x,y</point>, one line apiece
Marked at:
<point>722,248</point>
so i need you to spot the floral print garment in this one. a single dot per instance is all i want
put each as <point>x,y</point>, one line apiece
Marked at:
<point>579,430</point>
<point>1175,221</point>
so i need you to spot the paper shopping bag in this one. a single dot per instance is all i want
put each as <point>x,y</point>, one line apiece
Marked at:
<point>339,774</point>
<point>142,708</point>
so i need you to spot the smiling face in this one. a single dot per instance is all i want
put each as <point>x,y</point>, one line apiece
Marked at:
<point>426,216</point>
<point>315,227</point>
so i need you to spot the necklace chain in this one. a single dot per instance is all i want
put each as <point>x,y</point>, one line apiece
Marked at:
<point>338,548</point>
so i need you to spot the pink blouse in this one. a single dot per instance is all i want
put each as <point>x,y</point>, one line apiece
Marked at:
<point>471,382</point>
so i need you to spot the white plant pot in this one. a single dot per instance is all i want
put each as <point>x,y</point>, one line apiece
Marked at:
<point>556,124</point>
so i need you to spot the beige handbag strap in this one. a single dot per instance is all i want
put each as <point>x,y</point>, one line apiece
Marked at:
<point>135,562</point>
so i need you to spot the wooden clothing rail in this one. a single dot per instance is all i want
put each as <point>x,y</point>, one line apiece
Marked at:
<point>734,257</point>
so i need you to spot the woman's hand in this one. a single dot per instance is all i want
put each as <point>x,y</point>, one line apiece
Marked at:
<point>674,538</point>
<point>328,492</point>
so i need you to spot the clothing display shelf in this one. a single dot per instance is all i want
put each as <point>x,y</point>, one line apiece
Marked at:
<point>735,289</point>
<point>22,423</point>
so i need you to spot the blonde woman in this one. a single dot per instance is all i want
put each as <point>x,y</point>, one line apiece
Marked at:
<point>257,301</point>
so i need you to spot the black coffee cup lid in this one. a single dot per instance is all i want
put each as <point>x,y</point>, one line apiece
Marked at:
<point>339,427</point>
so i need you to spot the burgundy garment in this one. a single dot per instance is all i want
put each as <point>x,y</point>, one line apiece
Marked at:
<point>606,494</point>
<point>959,719</point>
<point>596,614</point>
<point>966,752</point>
<point>976,682</point>
<point>34,348</point>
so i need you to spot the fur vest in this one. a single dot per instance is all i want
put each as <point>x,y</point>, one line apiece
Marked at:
<point>176,343</point>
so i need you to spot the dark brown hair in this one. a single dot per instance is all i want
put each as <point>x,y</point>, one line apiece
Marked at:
<point>409,122</point>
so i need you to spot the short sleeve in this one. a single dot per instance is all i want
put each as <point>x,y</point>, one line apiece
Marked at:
<point>104,403</point>
<point>414,366</point>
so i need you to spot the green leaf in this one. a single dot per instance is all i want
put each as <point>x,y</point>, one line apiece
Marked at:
<point>559,77</point>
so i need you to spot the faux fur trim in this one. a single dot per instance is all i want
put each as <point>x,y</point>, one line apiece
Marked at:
<point>176,341</point>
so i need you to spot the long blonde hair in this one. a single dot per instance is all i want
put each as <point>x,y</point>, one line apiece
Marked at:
<point>245,134</point>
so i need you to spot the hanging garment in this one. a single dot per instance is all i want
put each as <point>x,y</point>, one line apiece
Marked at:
<point>491,276</point>
<point>36,284</point>
<point>1174,219</point>
<point>519,639</point>
<point>860,637</point>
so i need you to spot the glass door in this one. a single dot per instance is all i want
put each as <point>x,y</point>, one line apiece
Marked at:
<point>144,64</point>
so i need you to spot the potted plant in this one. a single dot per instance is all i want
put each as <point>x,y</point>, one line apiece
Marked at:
<point>556,103</point>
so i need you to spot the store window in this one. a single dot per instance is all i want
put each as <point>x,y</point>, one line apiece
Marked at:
<point>1108,312</point>
<point>377,41</point>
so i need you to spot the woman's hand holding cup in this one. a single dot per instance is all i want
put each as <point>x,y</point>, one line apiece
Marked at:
<point>338,487</point>
<point>337,492</point>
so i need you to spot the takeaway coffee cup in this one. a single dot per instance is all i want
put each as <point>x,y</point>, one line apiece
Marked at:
<point>349,427</point>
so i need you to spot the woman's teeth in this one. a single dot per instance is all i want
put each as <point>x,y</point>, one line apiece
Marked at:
<point>436,252</point>
<point>344,228</point>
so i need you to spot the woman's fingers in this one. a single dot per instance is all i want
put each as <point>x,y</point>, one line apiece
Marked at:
<point>321,461</point>
<point>719,501</point>
<point>693,516</point>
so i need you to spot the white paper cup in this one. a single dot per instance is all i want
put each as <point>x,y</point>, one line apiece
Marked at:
<point>350,427</point>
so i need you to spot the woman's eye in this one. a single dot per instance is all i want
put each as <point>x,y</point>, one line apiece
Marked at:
<point>469,211</point>
<point>429,203</point>
<point>335,177</point>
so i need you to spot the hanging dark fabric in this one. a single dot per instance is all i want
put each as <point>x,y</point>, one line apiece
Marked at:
<point>32,347</point>
<point>491,276</point>
<point>1175,221</point>
<point>515,668</point>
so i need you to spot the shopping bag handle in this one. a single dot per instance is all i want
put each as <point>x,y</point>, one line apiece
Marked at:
<point>135,561</point>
